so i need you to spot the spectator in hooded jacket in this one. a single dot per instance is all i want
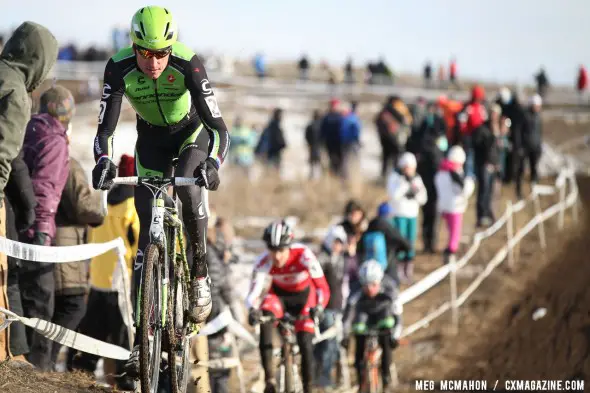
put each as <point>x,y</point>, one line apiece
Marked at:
<point>314,140</point>
<point>473,116</point>
<point>542,82</point>
<point>453,189</point>
<point>26,59</point>
<point>331,135</point>
<point>485,147</point>
<point>532,142</point>
<point>333,261</point>
<point>104,319</point>
<point>434,145</point>
<point>406,194</point>
<point>79,208</point>
<point>20,205</point>
<point>46,153</point>
<point>382,242</point>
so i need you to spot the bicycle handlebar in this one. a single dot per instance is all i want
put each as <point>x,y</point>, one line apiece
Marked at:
<point>174,181</point>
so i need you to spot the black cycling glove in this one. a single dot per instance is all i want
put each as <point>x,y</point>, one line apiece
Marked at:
<point>208,172</point>
<point>103,174</point>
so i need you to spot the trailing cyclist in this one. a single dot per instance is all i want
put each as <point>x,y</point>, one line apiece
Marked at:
<point>373,306</point>
<point>177,116</point>
<point>298,288</point>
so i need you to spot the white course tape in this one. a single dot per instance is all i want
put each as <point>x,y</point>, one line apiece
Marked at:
<point>68,337</point>
<point>57,254</point>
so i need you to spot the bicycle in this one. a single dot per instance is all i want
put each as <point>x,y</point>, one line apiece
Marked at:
<point>288,379</point>
<point>162,301</point>
<point>371,376</point>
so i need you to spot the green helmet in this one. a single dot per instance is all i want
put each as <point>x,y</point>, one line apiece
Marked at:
<point>153,28</point>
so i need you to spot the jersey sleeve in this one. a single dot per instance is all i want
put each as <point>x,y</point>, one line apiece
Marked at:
<point>205,102</point>
<point>110,108</point>
<point>259,277</point>
<point>309,260</point>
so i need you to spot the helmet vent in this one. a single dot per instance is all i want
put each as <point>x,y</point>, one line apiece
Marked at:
<point>166,11</point>
<point>141,10</point>
<point>166,30</point>
<point>142,29</point>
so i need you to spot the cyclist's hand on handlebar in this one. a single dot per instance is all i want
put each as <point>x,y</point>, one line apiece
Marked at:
<point>317,312</point>
<point>103,174</point>
<point>394,342</point>
<point>254,317</point>
<point>208,172</point>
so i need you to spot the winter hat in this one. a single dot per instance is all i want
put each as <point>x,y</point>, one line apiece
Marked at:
<point>407,160</point>
<point>505,95</point>
<point>126,165</point>
<point>337,232</point>
<point>384,210</point>
<point>478,93</point>
<point>59,103</point>
<point>457,155</point>
<point>536,100</point>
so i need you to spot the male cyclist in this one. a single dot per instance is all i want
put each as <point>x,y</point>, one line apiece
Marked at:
<point>298,288</point>
<point>177,116</point>
<point>374,305</point>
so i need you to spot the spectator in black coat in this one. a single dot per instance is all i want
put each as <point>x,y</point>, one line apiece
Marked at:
<point>430,158</point>
<point>303,68</point>
<point>20,215</point>
<point>275,139</point>
<point>485,149</point>
<point>314,140</point>
<point>513,110</point>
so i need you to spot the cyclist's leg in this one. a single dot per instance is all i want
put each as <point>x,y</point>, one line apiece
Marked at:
<point>305,329</point>
<point>193,151</point>
<point>150,160</point>
<point>271,305</point>
<point>359,327</point>
<point>385,321</point>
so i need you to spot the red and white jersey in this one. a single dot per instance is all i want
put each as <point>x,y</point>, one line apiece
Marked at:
<point>301,270</point>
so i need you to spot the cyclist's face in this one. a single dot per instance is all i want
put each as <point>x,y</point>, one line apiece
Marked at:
<point>152,66</point>
<point>372,289</point>
<point>279,256</point>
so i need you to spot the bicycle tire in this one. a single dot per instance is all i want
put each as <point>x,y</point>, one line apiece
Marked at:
<point>178,372</point>
<point>149,366</point>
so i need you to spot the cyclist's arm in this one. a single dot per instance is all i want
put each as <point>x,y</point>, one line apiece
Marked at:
<point>110,108</point>
<point>205,102</point>
<point>349,312</point>
<point>317,276</point>
<point>259,276</point>
<point>390,288</point>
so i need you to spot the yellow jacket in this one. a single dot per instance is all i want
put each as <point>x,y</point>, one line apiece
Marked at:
<point>121,221</point>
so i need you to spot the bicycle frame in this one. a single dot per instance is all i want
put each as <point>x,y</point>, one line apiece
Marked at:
<point>372,363</point>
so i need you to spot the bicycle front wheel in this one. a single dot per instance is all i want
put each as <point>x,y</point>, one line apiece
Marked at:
<point>151,320</point>
<point>178,342</point>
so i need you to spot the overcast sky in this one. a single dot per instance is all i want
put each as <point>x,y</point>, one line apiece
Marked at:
<point>500,40</point>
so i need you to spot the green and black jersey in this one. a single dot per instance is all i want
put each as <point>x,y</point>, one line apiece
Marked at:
<point>181,93</point>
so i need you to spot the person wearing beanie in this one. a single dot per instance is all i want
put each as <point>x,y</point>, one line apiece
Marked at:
<point>382,241</point>
<point>46,153</point>
<point>453,189</point>
<point>532,143</point>
<point>104,319</point>
<point>406,194</point>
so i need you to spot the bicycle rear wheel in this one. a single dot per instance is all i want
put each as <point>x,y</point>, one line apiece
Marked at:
<point>178,343</point>
<point>150,349</point>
